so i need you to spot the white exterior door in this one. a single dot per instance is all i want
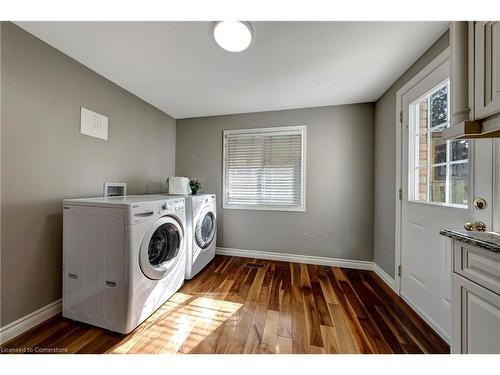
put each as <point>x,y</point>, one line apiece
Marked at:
<point>440,180</point>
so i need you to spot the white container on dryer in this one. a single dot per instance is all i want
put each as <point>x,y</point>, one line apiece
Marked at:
<point>201,211</point>
<point>123,257</point>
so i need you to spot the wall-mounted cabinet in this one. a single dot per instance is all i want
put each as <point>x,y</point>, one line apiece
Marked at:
<point>487,68</point>
<point>475,80</point>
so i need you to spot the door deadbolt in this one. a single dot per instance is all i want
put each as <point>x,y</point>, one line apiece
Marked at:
<point>479,204</point>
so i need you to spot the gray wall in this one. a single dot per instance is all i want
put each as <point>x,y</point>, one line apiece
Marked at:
<point>339,217</point>
<point>44,159</point>
<point>385,161</point>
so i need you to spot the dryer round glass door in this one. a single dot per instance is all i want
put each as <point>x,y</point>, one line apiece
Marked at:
<point>205,229</point>
<point>160,247</point>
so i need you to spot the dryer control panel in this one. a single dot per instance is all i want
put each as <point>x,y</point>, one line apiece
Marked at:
<point>204,200</point>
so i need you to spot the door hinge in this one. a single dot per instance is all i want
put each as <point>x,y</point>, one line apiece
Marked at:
<point>399,271</point>
<point>400,193</point>
<point>400,117</point>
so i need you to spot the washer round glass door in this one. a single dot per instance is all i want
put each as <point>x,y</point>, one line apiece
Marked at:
<point>160,247</point>
<point>205,229</point>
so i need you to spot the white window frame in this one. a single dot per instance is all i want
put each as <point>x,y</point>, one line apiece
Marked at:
<point>413,155</point>
<point>302,206</point>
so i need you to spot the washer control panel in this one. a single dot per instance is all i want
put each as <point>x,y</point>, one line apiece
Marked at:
<point>172,205</point>
<point>145,211</point>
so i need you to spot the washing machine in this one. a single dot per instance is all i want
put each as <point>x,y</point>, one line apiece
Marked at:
<point>201,220</point>
<point>123,257</point>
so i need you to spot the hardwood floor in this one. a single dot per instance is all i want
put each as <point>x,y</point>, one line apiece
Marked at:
<point>239,305</point>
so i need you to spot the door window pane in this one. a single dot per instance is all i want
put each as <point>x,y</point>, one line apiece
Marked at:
<point>438,147</point>
<point>422,150</point>
<point>439,107</point>
<point>421,193</point>
<point>459,183</point>
<point>437,184</point>
<point>422,116</point>
<point>459,150</point>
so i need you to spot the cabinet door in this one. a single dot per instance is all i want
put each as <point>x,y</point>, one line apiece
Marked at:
<point>476,318</point>
<point>487,68</point>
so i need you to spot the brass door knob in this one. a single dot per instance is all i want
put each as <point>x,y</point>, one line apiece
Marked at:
<point>477,226</point>
<point>479,204</point>
<point>480,226</point>
<point>469,227</point>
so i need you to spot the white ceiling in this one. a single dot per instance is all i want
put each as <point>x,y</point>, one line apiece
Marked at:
<point>177,67</point>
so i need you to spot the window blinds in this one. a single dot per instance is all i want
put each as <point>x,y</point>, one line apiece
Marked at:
<point>264,167</point>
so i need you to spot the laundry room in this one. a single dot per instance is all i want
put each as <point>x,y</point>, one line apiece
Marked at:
<point>185,186</point>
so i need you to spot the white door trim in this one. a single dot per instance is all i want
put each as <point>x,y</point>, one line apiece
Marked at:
<point>440,59</point>
<point>496,185</point>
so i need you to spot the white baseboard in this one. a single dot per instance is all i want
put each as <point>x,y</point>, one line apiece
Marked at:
<point>385,277</point>
<point>29,321</point>
<point>336,262</point>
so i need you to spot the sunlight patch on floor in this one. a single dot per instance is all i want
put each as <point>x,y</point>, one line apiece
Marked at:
<point>179,325</point>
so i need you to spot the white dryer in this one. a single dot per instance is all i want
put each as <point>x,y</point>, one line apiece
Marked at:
<point>201,217</point>
<point>123,257</point>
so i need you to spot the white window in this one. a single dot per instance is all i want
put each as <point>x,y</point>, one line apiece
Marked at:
<point>439,169</point>
<point>264,168</point>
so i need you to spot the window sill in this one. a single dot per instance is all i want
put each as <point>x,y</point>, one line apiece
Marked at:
<point>440,205</point>
<point>262,208</point>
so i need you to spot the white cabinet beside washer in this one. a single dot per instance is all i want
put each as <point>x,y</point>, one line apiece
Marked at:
<point>93,287</point>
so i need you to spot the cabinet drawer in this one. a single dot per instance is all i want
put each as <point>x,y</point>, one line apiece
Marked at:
<point>479,265</point>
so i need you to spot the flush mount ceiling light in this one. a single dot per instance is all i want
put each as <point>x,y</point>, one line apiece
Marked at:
<point>233,36</point>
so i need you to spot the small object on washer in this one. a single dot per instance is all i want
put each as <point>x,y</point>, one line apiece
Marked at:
<point>178,186</point>
<point>115,189</point>
<point>195,186</point>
